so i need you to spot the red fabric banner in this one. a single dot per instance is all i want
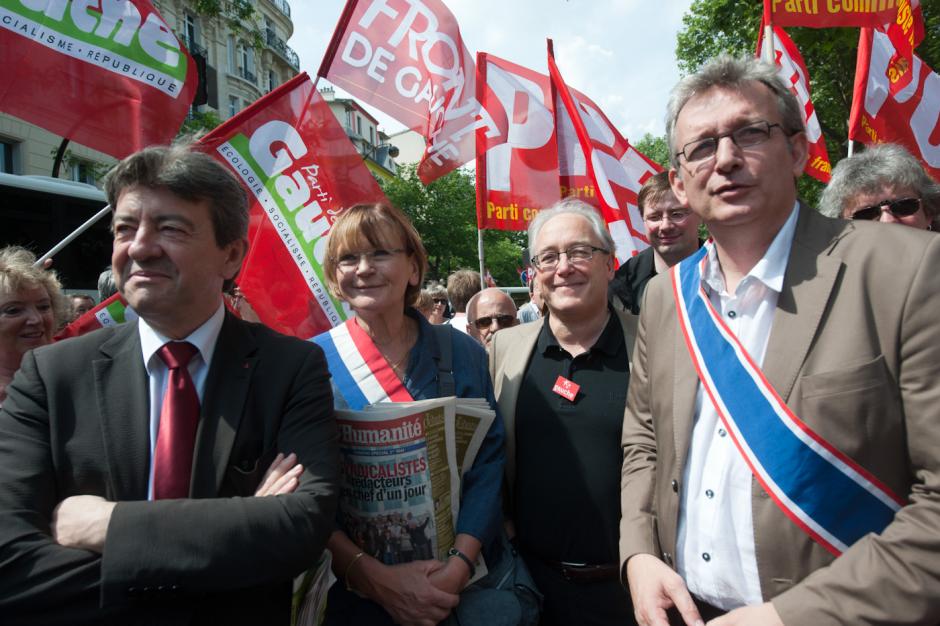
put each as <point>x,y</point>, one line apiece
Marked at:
<point>792,70</point>
<point>831,13</point>
<point>407,58</point>
<point>301,171</point>
<point>517,169</point>
<point>910,117</point>
<point>111,76</point>
<point>111,312</point>
<point>598,165</point>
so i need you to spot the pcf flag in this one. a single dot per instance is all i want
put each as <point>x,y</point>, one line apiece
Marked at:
<point>109,75</point>
<point>407,58</point>
<point>792,71</point>
<point>517,169</point>
<point>909,117</point>
<point>301,171</point>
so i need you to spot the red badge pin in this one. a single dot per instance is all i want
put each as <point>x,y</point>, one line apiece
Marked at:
<point>565,388</point>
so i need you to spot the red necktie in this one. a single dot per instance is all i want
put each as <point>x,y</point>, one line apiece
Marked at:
<point>173,456</point>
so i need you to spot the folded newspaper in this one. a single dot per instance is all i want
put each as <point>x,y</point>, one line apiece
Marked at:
<point>400,484</point>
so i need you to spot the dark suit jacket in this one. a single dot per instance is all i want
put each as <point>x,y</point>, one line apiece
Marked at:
<point>76,421</point>
<point>855,353</point>
<point>630,280</point>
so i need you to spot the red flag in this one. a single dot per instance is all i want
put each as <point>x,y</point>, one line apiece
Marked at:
<point>407,58</point>
<point>833,13</point>
<point>301,171</point>
<point>910,117</point>
<point>110,75</point>
<point>906,32</point>
<point>110,312</point>
<point>792,71</point>
<point>599,166</point>
<point>517,169</point>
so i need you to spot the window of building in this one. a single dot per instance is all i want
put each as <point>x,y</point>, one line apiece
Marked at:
<point>372,135</point>
<point>8,153</point>
<point>350,120</point>
<point>82,172</point>
<point>232,105</point>
<point>359,125</point>
<point>190,30</point>
<point>247,54</point>
<point>232,68</point>
<point>272,80</point>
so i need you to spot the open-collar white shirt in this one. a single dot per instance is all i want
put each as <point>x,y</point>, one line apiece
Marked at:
<point>715,546</point>
<point>204,338</point>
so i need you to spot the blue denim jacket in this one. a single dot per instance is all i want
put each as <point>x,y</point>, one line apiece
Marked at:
<point>481,502</point>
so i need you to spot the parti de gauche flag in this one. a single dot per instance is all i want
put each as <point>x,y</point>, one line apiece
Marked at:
<point>110,75</point>
<point>598,165</point>
<point>407,58</point>
<point>910,117</point>
<point>792,70</point>
<point>517,168</point>
<point>301,172</point>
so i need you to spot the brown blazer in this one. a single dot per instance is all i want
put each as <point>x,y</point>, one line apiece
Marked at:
<point>855,352</point>
<point>510,353</point>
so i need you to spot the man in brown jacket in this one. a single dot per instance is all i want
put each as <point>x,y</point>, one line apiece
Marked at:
<point>840,318</point>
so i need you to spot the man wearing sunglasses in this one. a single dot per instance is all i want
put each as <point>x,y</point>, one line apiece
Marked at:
<point>885,183</point>
<point>561,383</point>
<point>780,440</point>
<point>488,311</point>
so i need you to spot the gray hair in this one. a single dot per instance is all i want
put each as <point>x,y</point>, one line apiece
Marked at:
<point>191,175</point>
<point>571,206</point>
<point>729,72</point>
<point>867,172</point>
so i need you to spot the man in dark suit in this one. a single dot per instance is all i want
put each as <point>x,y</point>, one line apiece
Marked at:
<point>673,233</point>
<point>129,456</point>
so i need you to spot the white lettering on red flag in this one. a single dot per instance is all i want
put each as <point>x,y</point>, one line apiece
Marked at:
<point>517,169</point>
<point>301,172</point>
<point>792,71</point>
<point>111,76</point>
<point>910,117</point>
<point>407,58</point>
<point>613,174</point>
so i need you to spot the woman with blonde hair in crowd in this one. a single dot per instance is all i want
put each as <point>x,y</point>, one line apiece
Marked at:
<point>31,308</point>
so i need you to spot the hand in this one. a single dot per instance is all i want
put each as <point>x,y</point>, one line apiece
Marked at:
<point>655,587</point>
<point>282,476</point>
<point>406,592</point>
<point>82,522</point>
<point>759,615</point>
<point>452,577</point>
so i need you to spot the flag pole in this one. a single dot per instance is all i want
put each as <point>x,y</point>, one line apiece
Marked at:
<point>769,52</point>
<point>75,233</point>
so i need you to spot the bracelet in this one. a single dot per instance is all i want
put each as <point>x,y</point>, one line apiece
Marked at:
<point>349,567</point>
<point>463,557</point>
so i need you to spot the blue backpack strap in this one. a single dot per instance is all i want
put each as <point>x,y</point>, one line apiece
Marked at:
<point>446,386</point>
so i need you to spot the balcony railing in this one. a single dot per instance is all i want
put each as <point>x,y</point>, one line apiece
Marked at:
<point>193,47</point>
<point>247,75</point>
<point>282,6</point>
<point>280,46</point>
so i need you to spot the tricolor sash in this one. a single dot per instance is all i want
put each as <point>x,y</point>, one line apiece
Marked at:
<point>360,372</point>
<point>824,492</point>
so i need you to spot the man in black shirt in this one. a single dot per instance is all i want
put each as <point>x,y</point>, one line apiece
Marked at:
<point>673,234</point>
<point>561,385</point>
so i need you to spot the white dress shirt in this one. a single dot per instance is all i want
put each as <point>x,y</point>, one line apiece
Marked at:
<point>459,322</point>
<point>715,546</point>
<point>204,339</point>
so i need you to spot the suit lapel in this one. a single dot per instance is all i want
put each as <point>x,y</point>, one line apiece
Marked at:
<point>684,386</point>
<point>227,384</point>
<point>121,385</point>
<point>515,355</point>
<point>807,287</point>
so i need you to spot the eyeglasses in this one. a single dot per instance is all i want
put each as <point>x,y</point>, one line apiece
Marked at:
<point>502,321</point>
<point>745,137</point>
<point>577,255</point>
<point>676,216</point>
<point>441,301</point>
<point>902,207</point>
<point>379,257</point>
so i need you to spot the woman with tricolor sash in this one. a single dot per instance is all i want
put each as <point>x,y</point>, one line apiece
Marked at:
<point>388,352</point>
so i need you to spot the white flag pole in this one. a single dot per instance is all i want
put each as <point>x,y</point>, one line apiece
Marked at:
<point>75,233</point>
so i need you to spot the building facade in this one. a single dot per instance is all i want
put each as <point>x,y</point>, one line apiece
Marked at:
<point>363,131</point>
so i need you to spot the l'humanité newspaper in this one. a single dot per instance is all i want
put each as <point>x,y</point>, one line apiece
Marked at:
<point>402,466</point>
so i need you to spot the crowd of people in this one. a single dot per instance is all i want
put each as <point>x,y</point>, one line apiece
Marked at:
<point>734,427</point>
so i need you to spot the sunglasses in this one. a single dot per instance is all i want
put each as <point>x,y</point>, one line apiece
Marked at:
<point>902,207</point>
<point>440,300</point>
<point>501,320</point>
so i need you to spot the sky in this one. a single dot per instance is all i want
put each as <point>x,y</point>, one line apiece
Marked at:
<point>621,53</point>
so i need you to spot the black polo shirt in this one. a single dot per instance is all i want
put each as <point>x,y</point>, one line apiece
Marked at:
<point>568,454</point>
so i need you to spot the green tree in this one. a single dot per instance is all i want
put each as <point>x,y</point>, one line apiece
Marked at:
<point>239,15</point>
<point>444,213</point>
<point>711,27</point>
<point>199,122</point>
<point>655,148</point>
